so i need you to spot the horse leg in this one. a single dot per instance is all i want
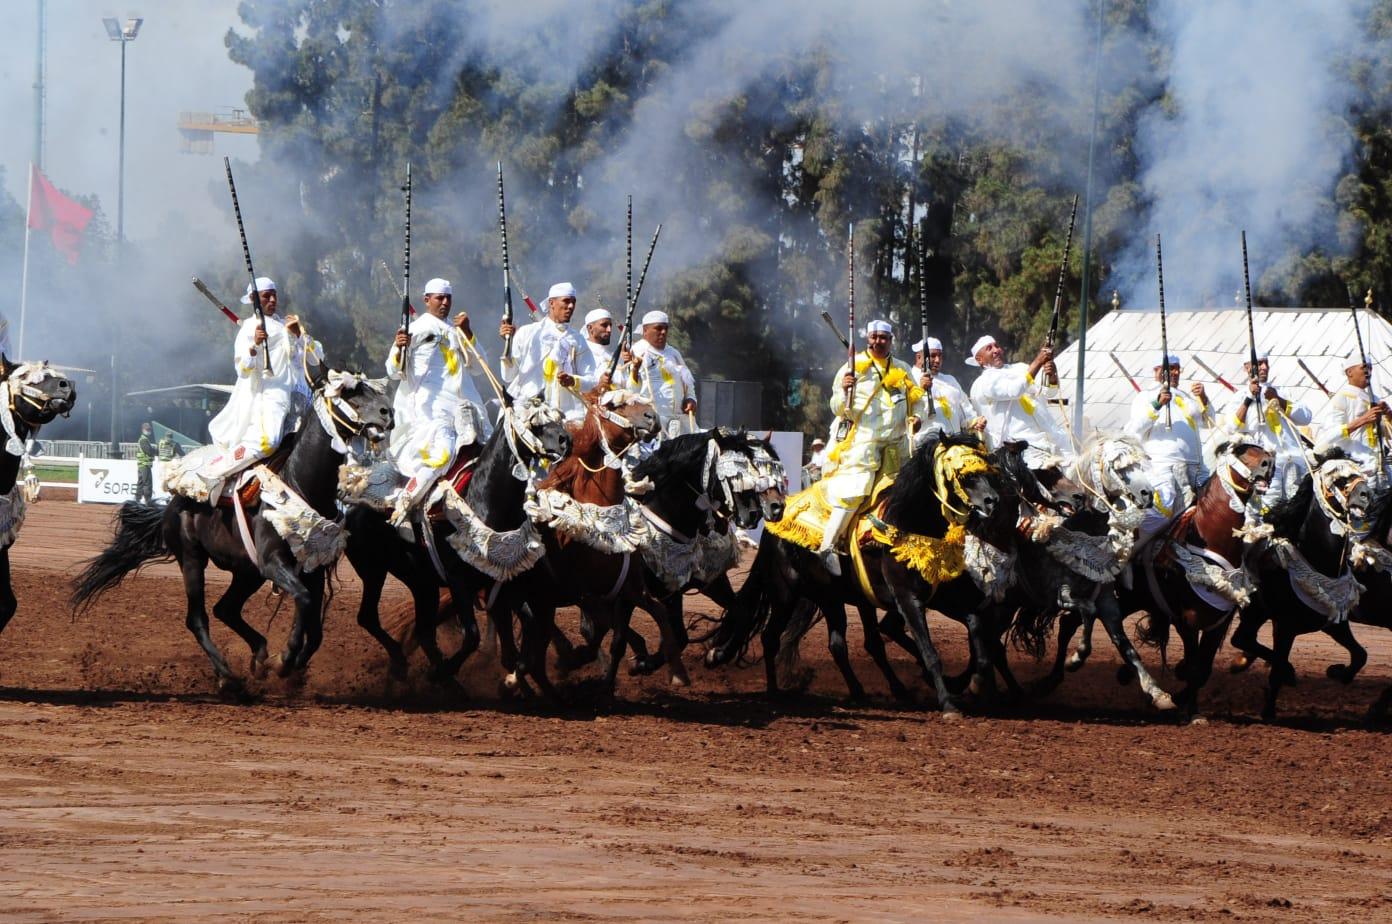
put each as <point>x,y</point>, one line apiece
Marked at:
<point>500,617</point>
<point>283,574</point>
<point>619,639</point>
<point>1282,639</point>
<point>313,618</point>
<point>836,642</point>
<point>892,627</point>
<point>981,672</point>
<point>790,665</point>
<point>912,610</point>
<point>369,617</point>
<point>645,663</point>
<point>536,641</point>
<point>8,603</point>
<point>1084,650</point>
<point>874,646</point>
<point>1068,624</point>
<point>1113,622</point>
<point>192,564</point>
<point>1342,633</point>
<point>672,642</point>
<point>228,610</point>
<point>1199,667</point>
<point>1244,639</point>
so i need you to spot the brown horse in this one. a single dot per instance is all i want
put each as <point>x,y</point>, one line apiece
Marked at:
<point>1198,577</point>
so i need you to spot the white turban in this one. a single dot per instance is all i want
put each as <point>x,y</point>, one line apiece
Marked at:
<point>263,284</point>
<point>879,327</point>
<point>1174,361</point>
<point>562,290</point>
<point>656,317</point>
<point>982,343</point>
<point>598,314</point>
<point>1263,356</point>
<point>1352,359</point>
<point>933,344</point>
<point>438,286</point>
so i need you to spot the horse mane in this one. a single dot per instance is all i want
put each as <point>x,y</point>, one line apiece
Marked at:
<point>912,503</point>
<point>672,459</point>
<point>564,473</point>
<point>1288,516</point>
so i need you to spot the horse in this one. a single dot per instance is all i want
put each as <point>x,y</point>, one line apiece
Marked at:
<point>493,496</point>
<point>1306,575</point>
<point>1192,576</point>
<point>1112,469</point>
<point>289,532</point>
<point>947,483</point>
<point>31,395</point>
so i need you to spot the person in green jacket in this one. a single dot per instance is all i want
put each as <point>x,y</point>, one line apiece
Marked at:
<point>144,460</point>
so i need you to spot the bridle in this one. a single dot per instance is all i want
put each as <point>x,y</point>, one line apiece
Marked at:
<point>519,427</point>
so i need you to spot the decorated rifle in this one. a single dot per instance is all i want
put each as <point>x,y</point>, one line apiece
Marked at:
<point>1198,361</point>
<point>406,271</point>
<point>246,252</point>
<point>1164,335</point>
<point>840,337</point>
<point>507,275</point>
<point>633,302</point>
<point>400,293</point>
<point>1372,396</point>
<point>843,427</point>
<point>207,293</point>
<point>923,320</point>
<point>1134,383</point>
<point>1252,374</point>
<point>1063,272</point>
<point>1311,375</point>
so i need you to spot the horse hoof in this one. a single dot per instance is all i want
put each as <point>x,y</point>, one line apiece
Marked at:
<point>952,715</point>
<point>510,682</point>
<point>1075,662</point>
<point>398,671</point>
<point>1125,674</point>
<point>259,667</point>
<point>713,658</point>
<point>1339,672</point>
<point>1198,720</point>
<point>1163,703</point>
<point>231,687</point>
<point>1240,662</point>
<point>679,679</point>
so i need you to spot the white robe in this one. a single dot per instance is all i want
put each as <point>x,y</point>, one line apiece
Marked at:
<point>879,439</point>
<point>664,376</point>
<point>255,417</point>
<point>1268,428</point>
<point>540,351</point>
<point>1016,410</point>
<point>1331,428</point>
<point>437,407</point>
<point>1176,454</point>
<point>952,408</point>
<point>591,363</point>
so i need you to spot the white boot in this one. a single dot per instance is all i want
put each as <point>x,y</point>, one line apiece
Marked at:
<point>410,495</point>
<point>835,525</point>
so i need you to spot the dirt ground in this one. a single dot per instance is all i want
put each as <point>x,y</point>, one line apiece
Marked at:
<point>130,791</point>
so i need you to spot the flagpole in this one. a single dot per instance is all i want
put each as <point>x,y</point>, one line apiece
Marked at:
<point>24,278</point>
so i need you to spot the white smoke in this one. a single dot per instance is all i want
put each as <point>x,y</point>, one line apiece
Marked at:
<point>1251,135</point>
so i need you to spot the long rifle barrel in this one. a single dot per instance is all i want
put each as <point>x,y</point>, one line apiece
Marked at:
<point>923,316</point>
<point>633,302</point>
<point>507,272</point>
<point>1124,372</point>
<point>406,269</point>
<point>1252,373</point>
<point>850,302</point>
<point>246,252</point>
<point>1198,361</point>
<point>840,337</point>
<point>1063,273</point>
<point>1164,334</point>
<point>207,293</point>
<point>1313,378</point>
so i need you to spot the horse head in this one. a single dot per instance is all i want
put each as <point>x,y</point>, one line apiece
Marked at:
<point>623,417</point>
<point>733,465</point>
<point>1046,487</point>
<point>539,428</point>
<point>773,480</point>
<point>1116,466</point>
<point>1343,491</point>
<point>967,484</point>
<point>353,406</point>
<point>1247,466</point>
<point>36,393</point>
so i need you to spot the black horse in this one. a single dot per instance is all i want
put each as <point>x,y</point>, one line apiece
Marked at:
<point>1307,560</point>
<point>923,502</point>
<point>429,560</point>
<point>33,394</point>
<point>356,412</point>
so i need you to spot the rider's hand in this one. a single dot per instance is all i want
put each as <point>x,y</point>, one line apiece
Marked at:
<point>402,340</point>
<point>506,330</point>
<point>260,336</point>
<point>925,382</point>
<point>1253,386</point>
<point>848,381</point>
<point>688,405</point>
<point>292,326</point>
<point>461,321</point>
<point>1197,391</point>
<point>978,424</point>
<point>1164,397</point>
<point>1270,394</point>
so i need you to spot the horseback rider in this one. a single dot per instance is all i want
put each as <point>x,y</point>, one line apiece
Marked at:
<point>592,365</point>
<point>1264,417</point>
<point>438,409</point>
<point>1174,444</point>
<point>265,405</point>
<point>882,398</point>
<point>544,354</point>
<point>1351,418</point>
<point>659,371</point>
<point>1013,399</point>
<point>949,408</point>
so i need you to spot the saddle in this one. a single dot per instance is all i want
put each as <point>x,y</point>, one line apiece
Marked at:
<point>250,492</point>
<point>457,476</point>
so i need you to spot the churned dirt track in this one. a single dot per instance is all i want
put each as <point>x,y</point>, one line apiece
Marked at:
<point>129,791</point>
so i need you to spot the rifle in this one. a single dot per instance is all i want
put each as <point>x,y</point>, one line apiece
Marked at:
<point>406,271</point>
<point>923,321</point>
<point>633,302</point>
<point>1198,361</point>
<point>507,277</point>
<point>1133,382</point>
<point>246,252</point>
<point>844,426</point>
<point>1063,271</point>
<point>1164,336</point>
<point>1314,378</point>
<point>1363,358</point>
<point>231,315</point>
<point>400,293</point>
<point>841,338</point>
<point>1252,374</point>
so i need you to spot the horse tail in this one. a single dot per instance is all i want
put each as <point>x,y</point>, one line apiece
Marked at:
<point>139,539</point>
<point>748,614</point>
<point>1031,628</point>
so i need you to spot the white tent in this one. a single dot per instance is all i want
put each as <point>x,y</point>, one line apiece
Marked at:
<point>1319,336</point>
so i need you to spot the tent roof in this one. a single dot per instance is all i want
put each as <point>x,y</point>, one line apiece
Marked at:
<point>1218,336</point>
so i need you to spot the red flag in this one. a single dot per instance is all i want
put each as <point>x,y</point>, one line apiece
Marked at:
<point>61,217</point>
